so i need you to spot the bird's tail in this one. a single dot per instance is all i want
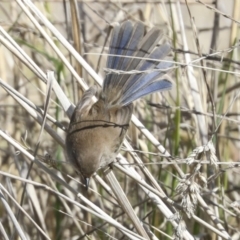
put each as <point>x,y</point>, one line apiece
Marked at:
<point>134,66</point>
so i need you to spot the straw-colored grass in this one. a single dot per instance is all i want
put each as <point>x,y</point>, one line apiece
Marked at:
<point>177,176</point>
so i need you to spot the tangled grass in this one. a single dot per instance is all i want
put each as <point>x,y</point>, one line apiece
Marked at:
<point>178,173</point>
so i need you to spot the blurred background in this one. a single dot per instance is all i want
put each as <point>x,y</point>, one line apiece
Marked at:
<point>197,122</point>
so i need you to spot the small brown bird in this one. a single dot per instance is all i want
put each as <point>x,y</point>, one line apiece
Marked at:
<point>97,129</point>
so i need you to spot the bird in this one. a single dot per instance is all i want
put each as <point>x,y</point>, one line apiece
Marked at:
<point>134,68</point>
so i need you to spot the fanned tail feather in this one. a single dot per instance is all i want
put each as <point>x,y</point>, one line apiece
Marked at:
<point>123,88</point>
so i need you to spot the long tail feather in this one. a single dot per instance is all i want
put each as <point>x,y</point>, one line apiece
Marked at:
<point>162,85</point>
<point>127,40</point>
<point>120,39</point>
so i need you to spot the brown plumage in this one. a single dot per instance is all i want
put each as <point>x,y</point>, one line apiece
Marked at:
<point>96,130</point>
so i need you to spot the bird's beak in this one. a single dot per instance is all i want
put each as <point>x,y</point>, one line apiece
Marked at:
<point>87,180</point>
